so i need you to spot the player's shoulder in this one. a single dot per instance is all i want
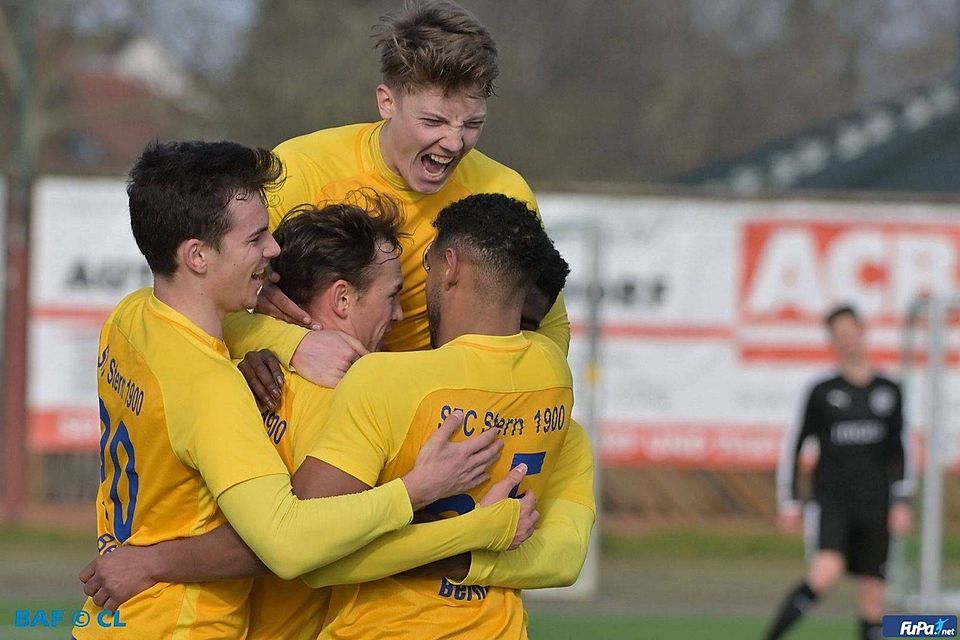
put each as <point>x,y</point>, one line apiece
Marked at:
<point>130,309</point>
<point>824,382</point>
<point>145,323</point>
<point>186,361</point>
<point>200,372</point>
<point>376,373</point>
<point>304,390</point>
<point>543,343</point>
<point>321,140</point>
<point>577,436</point>
<point>321,147</point>
<point>551,353</point>
<point>480,173</point>
<point>402,374</point>
<point>882,379</point>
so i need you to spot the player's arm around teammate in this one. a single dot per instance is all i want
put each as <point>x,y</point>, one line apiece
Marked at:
<point>498,524</point>
<point>555,554</point>
<point>343,260</point>
<point>445,468</point>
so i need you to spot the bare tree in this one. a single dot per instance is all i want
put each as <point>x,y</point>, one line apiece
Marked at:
<point>614,91</point>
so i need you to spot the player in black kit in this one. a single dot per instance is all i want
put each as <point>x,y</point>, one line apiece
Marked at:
<point>861,489</point>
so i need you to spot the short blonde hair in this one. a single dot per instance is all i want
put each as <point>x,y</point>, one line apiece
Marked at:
<point>436,43</point>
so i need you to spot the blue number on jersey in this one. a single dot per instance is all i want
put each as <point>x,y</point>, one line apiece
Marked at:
<point>463,503</point>
<point>122,526</point>
<point>534,462</point>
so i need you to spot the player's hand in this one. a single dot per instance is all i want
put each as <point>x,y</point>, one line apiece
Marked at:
<point>529,516</point>
<point>272,301</point>
<point>445,468</point>
<point>323,357</point>
<point>261,369</point>
<point>790,521</point>
<point>501,490</point>
<point>115,577</point>
<point>528,503</point>
<point>900,520</point>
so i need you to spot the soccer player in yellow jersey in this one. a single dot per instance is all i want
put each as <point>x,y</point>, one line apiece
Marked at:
<point>341,262</point>
<point>439,64</point>
<point>181,438</point>
<point>489,250</point>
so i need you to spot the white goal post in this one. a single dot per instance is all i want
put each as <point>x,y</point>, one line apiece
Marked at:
<point>927,331</point>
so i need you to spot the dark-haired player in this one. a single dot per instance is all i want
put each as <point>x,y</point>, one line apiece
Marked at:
<point>861,489</point>
<point>544,292</point>
<point>488,252</point>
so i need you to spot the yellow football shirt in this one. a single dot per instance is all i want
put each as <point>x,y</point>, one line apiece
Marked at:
<point>386,407</point>
<point>325,165</point>
<point>289,608</point>
<point>178,428</point>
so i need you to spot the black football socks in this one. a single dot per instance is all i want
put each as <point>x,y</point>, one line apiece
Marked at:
<point>795,605</point>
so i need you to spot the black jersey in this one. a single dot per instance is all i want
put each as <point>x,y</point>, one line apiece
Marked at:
<point>862,461</point>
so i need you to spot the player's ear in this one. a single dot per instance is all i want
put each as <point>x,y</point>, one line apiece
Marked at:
<point>451,266</point>
<point>193,254</point>
<point>386,102</point>
<point>340,298</point>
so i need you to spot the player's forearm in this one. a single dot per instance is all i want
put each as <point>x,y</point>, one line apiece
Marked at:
<point>556,325</point>
<point>244,332</point>
<point>551,557</point>
<point>218,555</point>
<point>490,527</point>
<point>787,469</point>
<point>900,464</point>
<point>294,536</point>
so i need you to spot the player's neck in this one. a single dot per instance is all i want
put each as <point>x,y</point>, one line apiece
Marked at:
<point>386,149</point>
<point>192,302</point>
<point>480,318</point>
<point>328,320</point>
<point>857,371</point>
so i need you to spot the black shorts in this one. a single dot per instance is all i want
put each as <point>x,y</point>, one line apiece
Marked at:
<point>862,537</point>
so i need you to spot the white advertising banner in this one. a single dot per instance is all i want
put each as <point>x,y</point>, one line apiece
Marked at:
<point>711,314</point>
<point>712,311</point>
<point>83,261</point>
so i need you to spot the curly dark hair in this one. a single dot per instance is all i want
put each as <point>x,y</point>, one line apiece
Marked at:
<point>337,241</point>
<point>180,190</point>
<point>503,237</point>
<point>554,276</point>
<point>436,43</point>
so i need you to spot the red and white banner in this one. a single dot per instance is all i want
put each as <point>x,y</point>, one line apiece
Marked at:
<point>84,260</point>
<point>712,312</point>
<point>711,315</point>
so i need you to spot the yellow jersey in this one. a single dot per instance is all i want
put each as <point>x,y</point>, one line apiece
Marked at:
<point>289,608</point>
<point>324,166</point>
<point>385,409</point>
<point>178,428</point>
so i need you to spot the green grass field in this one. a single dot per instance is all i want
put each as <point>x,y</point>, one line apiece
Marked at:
<point>559,626</point>
<point>680,584</point>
